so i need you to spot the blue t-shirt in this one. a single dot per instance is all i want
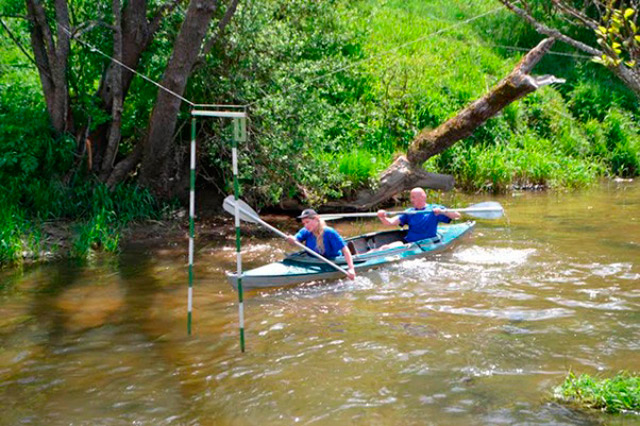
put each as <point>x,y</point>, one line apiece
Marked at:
<point>422,226</point>
<point>333,242</point>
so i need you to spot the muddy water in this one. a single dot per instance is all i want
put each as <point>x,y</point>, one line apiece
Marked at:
<point>476,336</point>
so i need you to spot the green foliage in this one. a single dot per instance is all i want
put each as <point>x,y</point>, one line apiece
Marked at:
<point>360,167</point>
<point>335,89</point>
<point>617,394</point>
<point>618,35</point>
<point>100,232</point>
<point>285,56</point>
<point>622,137</point>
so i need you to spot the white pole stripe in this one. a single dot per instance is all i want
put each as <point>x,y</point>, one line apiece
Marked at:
<point>192,203</point>
<point>241,313</point>
<point>239,263</point>
<point>235,160</point>
<point>223,114</point>
<point>193,154</point>
<point>190,251</point>
<point>190,302</point>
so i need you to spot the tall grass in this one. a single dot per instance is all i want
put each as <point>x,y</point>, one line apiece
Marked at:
<point>360,166</point>
<point>620,393</point>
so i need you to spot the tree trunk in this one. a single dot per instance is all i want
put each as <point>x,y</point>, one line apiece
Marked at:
<point>154,172</point>
<point>136,34</point>
<point>629,76</point>
<point>406,172</point>
<point>51,57</point>
<point>114,133</point>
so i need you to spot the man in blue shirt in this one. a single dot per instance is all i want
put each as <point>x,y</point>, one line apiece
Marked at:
<point>421,226</point>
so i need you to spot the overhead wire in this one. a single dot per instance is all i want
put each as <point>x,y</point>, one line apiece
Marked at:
<point>95,49</point>
<point>381,54</point>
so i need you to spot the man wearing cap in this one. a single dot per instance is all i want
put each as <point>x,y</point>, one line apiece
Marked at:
<point>322,239</point>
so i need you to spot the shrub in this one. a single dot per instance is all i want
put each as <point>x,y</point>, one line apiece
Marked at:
<point>617,394</point>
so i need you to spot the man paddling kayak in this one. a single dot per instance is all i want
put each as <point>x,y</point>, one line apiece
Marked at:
<point>322,239</point>
<point>421,226</point>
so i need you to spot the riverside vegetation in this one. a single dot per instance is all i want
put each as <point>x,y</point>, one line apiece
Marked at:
<point>316,133</point>
<point>620,393</point>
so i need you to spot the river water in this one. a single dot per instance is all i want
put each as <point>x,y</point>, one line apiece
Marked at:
<point>479,335</point>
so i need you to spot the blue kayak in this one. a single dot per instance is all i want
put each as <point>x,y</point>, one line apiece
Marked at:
<point>300,267</point>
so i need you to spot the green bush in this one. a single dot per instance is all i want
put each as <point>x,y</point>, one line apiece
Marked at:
<point>620,393</point>
<point>360,166</point>
<point>622,138</point>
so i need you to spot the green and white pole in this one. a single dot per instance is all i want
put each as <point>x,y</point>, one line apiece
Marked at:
<point>240,135</point>
<point>236,192</point>
<point>192,210</point>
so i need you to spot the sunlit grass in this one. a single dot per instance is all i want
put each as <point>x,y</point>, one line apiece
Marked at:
<point>617,394</point>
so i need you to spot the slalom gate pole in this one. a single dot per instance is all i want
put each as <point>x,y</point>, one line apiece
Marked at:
<point>192,210</point>
<point>236,193</point>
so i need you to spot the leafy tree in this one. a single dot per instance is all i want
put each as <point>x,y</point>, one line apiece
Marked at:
<point>166,37</point>
<point>612,36</point>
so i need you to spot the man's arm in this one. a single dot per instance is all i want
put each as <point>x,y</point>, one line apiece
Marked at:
<point>394,221</point>
<point>447,213</point>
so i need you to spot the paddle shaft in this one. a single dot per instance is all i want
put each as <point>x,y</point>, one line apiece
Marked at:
<point>372,214</point>
<point>299,244</point>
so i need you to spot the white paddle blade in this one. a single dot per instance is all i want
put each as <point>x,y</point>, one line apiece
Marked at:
<point>486,210</point>
<point>246,213</point>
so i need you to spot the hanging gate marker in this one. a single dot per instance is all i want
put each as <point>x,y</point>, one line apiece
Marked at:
<point>239,135</point>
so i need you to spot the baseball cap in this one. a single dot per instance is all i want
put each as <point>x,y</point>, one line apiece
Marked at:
<point>308,213</point>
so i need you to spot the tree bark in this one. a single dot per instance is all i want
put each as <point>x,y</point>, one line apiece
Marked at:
<point>406,172</point>
<point>52,59</point>
<point>154,171</point>
<point>136,33</point>
<point>114,133</point>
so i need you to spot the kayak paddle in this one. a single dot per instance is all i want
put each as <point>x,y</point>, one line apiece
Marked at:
<point>486,210</point>
<point>249,215</point>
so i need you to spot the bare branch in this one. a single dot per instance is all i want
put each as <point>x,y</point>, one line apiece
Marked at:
<point>160,13</point>
<point>231,10</point>
<point>22,49</point>
<point>16,16</point>
<point>571,11</point>
<point>543,29</point>
<point>88,26</point>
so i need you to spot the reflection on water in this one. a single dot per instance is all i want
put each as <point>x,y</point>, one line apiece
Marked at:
<point>475,336</point>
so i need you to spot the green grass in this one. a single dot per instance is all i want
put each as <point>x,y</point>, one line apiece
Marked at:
<point>615,395</point>
<point>98,214</point>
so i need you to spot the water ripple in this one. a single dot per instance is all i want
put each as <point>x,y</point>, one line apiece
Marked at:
<point>494,255</point>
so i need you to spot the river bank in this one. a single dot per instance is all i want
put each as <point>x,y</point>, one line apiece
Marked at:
<point>54,240</point>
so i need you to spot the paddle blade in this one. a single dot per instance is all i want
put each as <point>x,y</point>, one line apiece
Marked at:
<point>486,210</point>
<point>246,212</point>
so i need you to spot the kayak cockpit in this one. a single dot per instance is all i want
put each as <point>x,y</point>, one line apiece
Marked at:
<point>359,247</point>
